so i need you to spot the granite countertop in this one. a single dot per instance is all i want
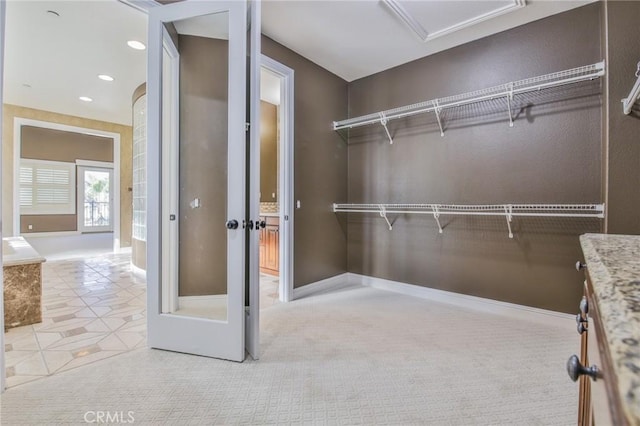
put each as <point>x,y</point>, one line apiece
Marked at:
<point>17,251</point>
<point>613,264</point>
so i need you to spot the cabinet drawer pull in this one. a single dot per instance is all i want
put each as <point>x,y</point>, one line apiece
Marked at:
<point>580,266</point>
<point>581,323</point>
<point>575,369</point>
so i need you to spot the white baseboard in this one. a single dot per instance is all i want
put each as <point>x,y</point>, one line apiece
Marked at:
<point>497,307</point>
<point>139,272</point>
<point>202,298</point>
<point>333,283</point>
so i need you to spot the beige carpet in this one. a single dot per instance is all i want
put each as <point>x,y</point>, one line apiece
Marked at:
<point>353,356</point>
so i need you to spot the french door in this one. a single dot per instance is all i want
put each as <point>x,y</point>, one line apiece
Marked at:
<point>95,199</point>
<point>199,233</point>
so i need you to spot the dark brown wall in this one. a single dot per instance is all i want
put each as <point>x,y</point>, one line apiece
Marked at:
<point>56,145</point>
<point>551,155</point>
<point>320,167</point>
<point>39,143</point>
<point>623,137</point>
<point>203,165</point>
<point>268,151</point>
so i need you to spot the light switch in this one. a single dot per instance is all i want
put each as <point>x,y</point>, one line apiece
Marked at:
<point>195,203</point>
<point>30,226</point>
<point>298,204</point>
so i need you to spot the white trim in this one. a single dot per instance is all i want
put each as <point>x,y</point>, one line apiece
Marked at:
<point>2,356</point>
<point>515,5</point>
<point>18,122</point>
<point>496,307</point>
<point>202,298</point>
<point>171,173</point>
<point>285,175</point>
<point>252,308</point>
<point>141,5</point>
<point>139,272</point>
<point>50,234</point>
<point>333,283</point>
<point>91,163</point>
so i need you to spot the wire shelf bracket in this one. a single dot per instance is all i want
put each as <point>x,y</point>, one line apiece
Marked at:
<point>508,91</point>
<point>629,101</point>
<point>509,211</point>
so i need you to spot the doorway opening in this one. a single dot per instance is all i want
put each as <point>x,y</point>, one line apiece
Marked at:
<point>276,182</point>
<point>52,208</point>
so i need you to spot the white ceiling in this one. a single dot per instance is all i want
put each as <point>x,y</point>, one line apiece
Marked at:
<point>354,39</point>
<point>60,57</point>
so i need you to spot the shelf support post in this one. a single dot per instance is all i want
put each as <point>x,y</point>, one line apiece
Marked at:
<point>509,99</point>
<point>383,121</point>
<point>508,212</point>
<point>437,110</point>
<point>383,214</point>
<point>436,216</point>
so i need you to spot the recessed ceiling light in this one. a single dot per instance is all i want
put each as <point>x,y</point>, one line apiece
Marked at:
<point>85,99</point>
<point>135,44</point>
<point>105,77</point>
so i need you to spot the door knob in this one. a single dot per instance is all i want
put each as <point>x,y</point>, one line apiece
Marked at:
<point>580,266</point>
<point>232,224</point>
<point>575,369</point>
<point>260,224</point>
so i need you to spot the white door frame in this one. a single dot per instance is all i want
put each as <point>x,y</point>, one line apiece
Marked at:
<point>2,357</point>
<point>252,311</point>
<point>18,122</point>
<point>81,167</point>
<point>170,163</point>
<point>285,174</point>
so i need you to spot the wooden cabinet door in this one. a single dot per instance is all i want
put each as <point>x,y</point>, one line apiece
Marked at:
<point>272,248</point>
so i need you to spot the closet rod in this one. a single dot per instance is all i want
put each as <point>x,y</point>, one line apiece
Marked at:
<point>556,79</point>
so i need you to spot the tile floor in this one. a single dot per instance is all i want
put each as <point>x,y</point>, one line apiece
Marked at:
<point>93,308</point>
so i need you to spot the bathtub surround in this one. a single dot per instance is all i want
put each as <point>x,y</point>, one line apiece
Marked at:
<point>22,268</point>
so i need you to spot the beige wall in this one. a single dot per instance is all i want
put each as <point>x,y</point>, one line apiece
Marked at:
<point>268,152</point>
<point>12,111</point>
<point>38,143</point>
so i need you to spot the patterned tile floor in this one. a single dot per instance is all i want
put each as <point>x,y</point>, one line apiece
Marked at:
<point>93,308</point>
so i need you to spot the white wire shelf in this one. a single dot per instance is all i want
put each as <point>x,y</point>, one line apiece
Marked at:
<point>507,91</point>
<point>506,210</point>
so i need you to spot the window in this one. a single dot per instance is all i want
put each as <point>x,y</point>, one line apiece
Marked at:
<point>47,187</point>
<point>139,231</point>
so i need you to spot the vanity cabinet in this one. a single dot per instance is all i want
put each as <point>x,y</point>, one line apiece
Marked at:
<point>270,245</point>
<point>608,364</point>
